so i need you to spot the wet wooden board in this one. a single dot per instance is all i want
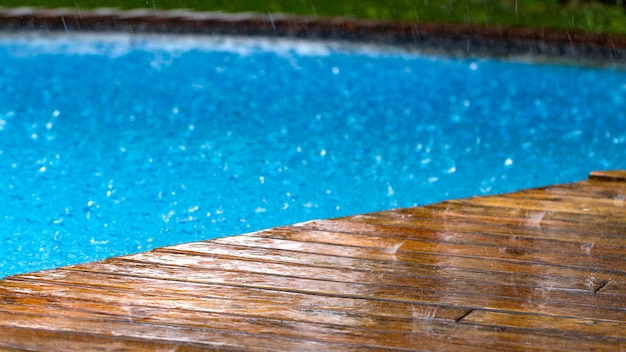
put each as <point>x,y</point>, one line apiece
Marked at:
<point>539,269</point>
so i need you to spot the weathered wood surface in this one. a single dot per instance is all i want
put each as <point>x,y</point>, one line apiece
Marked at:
<point>540,269</point>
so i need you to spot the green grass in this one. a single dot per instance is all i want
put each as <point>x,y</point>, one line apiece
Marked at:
<point>576,15</point>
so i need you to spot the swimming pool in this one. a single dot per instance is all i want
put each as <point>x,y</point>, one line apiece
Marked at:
<point>113,144</point>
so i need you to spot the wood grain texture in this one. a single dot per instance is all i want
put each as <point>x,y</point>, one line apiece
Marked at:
<point>539,269</point>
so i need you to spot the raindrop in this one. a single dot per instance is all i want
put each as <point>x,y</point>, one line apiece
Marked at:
<point>451,170</point>
<point>272,20</point>
<point>534,219</point>
<point>587,247</point>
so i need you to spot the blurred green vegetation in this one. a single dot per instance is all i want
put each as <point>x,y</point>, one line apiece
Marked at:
<point>585,15</point>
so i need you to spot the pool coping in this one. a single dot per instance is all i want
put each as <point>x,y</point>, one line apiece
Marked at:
<point>457,40</point>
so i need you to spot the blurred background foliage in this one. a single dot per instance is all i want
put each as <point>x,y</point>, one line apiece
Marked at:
<point>583,15</point>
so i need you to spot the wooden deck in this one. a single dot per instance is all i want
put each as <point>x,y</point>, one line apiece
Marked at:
<point>540,269</point>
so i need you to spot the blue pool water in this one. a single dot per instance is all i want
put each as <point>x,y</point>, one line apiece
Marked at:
<point>113,144</point>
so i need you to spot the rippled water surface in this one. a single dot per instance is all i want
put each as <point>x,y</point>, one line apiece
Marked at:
<point>113,144</point>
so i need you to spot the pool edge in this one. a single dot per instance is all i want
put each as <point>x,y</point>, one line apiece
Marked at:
<point>448,39</point>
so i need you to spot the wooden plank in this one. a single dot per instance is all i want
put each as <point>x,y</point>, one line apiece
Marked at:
<point>448,269</point>
<point>541,300</point>
<point>60,325</point>
<point>617,287</point>
<point>386,240</point>
<point>542,277</point>
<point>564,325</point>
<point>398,278</point>
<point>545,300</point>
<point>565,209</point>
<point>584,198</point>
<point>613,175</point>
<point>458,216</point>
<point>14,338</point>
<point>430,334</point>
<point>570,211</point>
<point>375,257</point>
<point>202,328</point>
<point>400,225</point>
<point>216,299</point>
